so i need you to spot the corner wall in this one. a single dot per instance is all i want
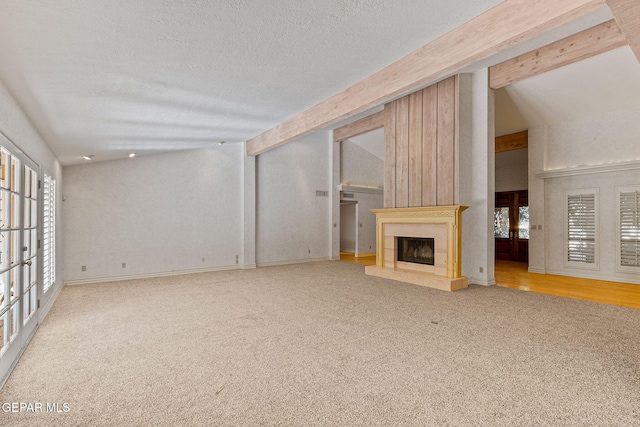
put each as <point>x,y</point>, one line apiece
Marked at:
<point>294,224</point>
<point>160,214</point>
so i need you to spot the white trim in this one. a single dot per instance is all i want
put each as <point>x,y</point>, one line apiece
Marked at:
<point>293,261</point>
<point>149,275</point>
<point>481,282</point>
<point>632,279</point>
<point>359,189</point>
<point>52,293</point>
<point>586,170</point>
<point>249,266</point>
<point>537,270</point>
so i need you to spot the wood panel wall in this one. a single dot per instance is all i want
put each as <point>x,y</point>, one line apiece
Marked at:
<point>420,147</point>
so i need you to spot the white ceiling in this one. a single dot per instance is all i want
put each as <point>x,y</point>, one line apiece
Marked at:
<point>110,77</point>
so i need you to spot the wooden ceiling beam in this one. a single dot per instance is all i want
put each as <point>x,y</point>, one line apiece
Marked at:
<point>364,125</point>
<point>513,141</point>
<point>501,27</point>
<point>627,15</point>
<point>585,44</point>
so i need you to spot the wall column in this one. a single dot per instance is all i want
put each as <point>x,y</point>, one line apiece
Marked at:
<point>248,211</point>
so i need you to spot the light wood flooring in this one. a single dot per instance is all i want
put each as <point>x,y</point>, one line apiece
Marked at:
<point>514,275</point>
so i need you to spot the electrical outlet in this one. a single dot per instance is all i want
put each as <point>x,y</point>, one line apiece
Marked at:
<point>202,259</point>
<point>481,270</point>
<point>309,250</point>
<point>124,265</point>
<point>237,259</point>
<point>84,268</point>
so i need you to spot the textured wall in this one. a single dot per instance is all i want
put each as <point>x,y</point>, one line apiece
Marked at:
<point>359,167</point>
<point>291,219</point>
<point>512,171</point>
<point>605,138</point>
<point>159,214</point>
<point>18,128</point>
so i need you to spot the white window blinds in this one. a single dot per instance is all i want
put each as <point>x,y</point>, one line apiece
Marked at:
<point>629,228</point>
<point>581,230</point>
<point>49,233</point>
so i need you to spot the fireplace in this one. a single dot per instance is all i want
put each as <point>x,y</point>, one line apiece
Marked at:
<point>418,250</point>
<point>420,245</point>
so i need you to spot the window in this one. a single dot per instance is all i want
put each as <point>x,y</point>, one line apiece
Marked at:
<point>582,228</point>
<point>628,228</point>
<point>49,233</point>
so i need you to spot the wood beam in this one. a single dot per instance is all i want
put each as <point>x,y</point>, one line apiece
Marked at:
<point>514,141</point>
<point>505,25</point>
<point>364,125</point>
<point>627,15</point>
<point>585,44</point>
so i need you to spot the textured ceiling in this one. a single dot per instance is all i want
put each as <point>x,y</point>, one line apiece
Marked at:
<point>110,77</point>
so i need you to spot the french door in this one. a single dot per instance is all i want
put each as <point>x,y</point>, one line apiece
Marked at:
<point>19,274</point>
<point>511,225</point>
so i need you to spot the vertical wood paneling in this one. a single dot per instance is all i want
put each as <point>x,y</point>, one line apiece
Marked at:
<point>415,149</point>
<point>429,145</point>
<point>446,141</point>
<point>402,152</point>
<point>390,155</point>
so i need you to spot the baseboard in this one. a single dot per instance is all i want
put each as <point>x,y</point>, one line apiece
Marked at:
<point>585,275</point>
<point>149,275</point>
<point>481,282</point>
<point>15,362</point>
<point>348,250</point>
<point>293,261</point>
<point>537,270</point>
<point>249,266</point>
<point>361,254</point>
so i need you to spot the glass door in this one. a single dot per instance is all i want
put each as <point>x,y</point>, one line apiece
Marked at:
<point>18,253</point>
<point>511,226</point>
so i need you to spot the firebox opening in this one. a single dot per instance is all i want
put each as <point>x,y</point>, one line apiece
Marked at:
<point>415,249</point>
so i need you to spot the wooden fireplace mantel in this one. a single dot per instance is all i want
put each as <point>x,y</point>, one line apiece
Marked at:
<point>442,222</point>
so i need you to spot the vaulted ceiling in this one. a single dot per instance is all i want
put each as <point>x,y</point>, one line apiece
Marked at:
<point>147,76</point>
<point>112,77</point>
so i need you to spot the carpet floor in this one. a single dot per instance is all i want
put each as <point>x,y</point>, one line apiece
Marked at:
<point>323,344</point>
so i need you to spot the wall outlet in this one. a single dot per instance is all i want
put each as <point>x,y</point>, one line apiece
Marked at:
<point>124,265</point>
<point>202,259</point>
<point>481,269</point>
<point>309,250</point>
<point>237,259</point>
<point>83,268</point>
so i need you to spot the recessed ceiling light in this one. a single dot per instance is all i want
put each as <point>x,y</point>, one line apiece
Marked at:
<point>132,155</point>
<point>88,156</point>
<point>221,142</point>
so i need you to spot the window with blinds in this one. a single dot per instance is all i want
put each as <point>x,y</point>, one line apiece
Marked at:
<point>582,228</point>
<point>49,233</point>
<point>629,227</point>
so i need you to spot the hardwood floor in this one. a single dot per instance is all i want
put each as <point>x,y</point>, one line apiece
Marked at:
<point>364,260</point>
<point>514,275</point>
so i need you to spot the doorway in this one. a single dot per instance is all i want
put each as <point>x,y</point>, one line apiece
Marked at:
<point>511,225</point>
<point>19,269</point>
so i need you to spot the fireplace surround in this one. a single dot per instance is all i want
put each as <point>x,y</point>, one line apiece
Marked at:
<point>440,224</point>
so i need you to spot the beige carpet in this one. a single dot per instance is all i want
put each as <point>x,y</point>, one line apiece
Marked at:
<point>323,344</point>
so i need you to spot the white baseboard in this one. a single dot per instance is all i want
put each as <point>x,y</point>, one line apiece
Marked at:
<point>481,282</point>
<point>349,250</point>
<point>44,309</point>
<point>537,270</point>
<point>149,275</point>
<point>587,275</point>
<point>292,261</point>
<point>249,266</point>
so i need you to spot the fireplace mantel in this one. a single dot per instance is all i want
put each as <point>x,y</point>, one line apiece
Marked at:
<point>442,222</point>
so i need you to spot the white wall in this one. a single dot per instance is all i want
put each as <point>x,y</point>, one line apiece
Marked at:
<point>17,128</point>
<point>476,176</point>
<point>512,172</point>
<point>293,224</point>
<point>359,167</point>
<point>606,138</point>
<point>159,214</point>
